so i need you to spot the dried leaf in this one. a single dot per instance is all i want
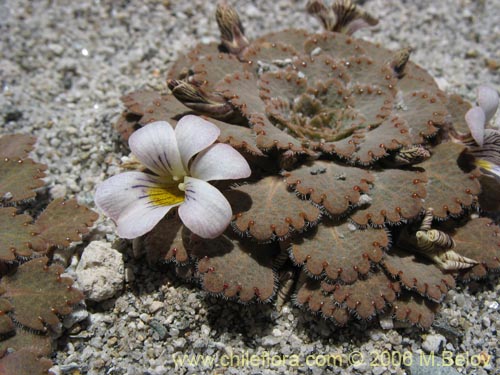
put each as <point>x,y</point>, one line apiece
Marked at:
<point>236,269</point>
<point>61,223</point>
<point>418,274</point>
<point>16,146</point>
<point>334,186</point>
<point>266,209</point>
<point>339,251</point>
<point>449,189</point>
<point>24,362</point>
<point>39,294</point>
<point>396,197</point>
<point>20,178</point>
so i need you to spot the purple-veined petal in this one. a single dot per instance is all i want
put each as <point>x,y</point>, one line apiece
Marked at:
<point>194,134</point>
<point>487,98</point>
<point>206,212</point>
<point>133,201</point>
<point>156,147</point>
<point>476,121</point>
<point>219,162</point>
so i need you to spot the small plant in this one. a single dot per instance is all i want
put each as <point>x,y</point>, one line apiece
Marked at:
<point>33,294</point>
<point>361,188</point>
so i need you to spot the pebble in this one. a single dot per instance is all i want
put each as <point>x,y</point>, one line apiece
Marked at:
<point>434,343</point>
<point>100,272</point>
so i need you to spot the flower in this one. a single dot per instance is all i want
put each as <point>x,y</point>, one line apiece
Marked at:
<point>137,201</point>
<point>487,151</point>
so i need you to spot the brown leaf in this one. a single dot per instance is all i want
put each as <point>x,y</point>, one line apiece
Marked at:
<point>266,209</point>
<point>311,296</point>
<point>16,235</point>
<point>16,146</point>
<point>334,186</point>
<point>418,274</point>
<point>39,344</point>
<point>39,294</point>
<point>365,297</point>
<point>167,241</point>
<point>424,113</point>
<point>412,308</point>
<point>20,178</point>
<point>479,239</point>
<point>236,269</point>
<point>61,223</point>
<point>449,189</point>
<point>339,251</point>
<point>396,196</point>
<point>24,362</point>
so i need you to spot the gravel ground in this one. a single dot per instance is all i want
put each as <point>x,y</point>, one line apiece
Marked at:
<point>63,66</point>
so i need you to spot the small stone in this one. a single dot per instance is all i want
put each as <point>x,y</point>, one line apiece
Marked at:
<point>155,306</point>
<point>100,272</point>
<point>433,343</point>
<point>460,300</point>
<point>158,328</point>
<point>179,343</point>
<point>270,340</point>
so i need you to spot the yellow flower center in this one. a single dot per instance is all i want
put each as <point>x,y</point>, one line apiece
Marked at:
<point>166,195</point>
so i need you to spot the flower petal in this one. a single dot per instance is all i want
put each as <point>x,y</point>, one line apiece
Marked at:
<point>156,147</point>
<point>206,212</point>
<point>131,200</point>
<point>476,121</point>
<point>219,162</point>
<point>487,98</point>
<point>194,134</point>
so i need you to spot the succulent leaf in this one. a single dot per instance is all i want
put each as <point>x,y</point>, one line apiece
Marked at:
<point>396,197</point>
<point>236,268</point>
<point>213,68</point>
<point>24,362</point>
<point>479,239</point>
<point>39,294</point>
<point>39,344</point>
<point>331,185</point>
<point>61,223</point>
<point>366,297</point>
<point>422,276</point>
<point>449,189</point>
<point>340,251</point>
<point>413,308</point>
<point>16,146</point>
<point>19,179</point>
<point>266,209</point>
<point>16,235</point>
<point>423,112</point>
<point>310,295</point>
<point>168,241</point>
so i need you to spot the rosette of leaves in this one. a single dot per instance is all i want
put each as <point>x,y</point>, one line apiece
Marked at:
<point>33,294</point>
<point>348,144</point>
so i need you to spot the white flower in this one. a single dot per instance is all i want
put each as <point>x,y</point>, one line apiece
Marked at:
<point>137,201</point>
